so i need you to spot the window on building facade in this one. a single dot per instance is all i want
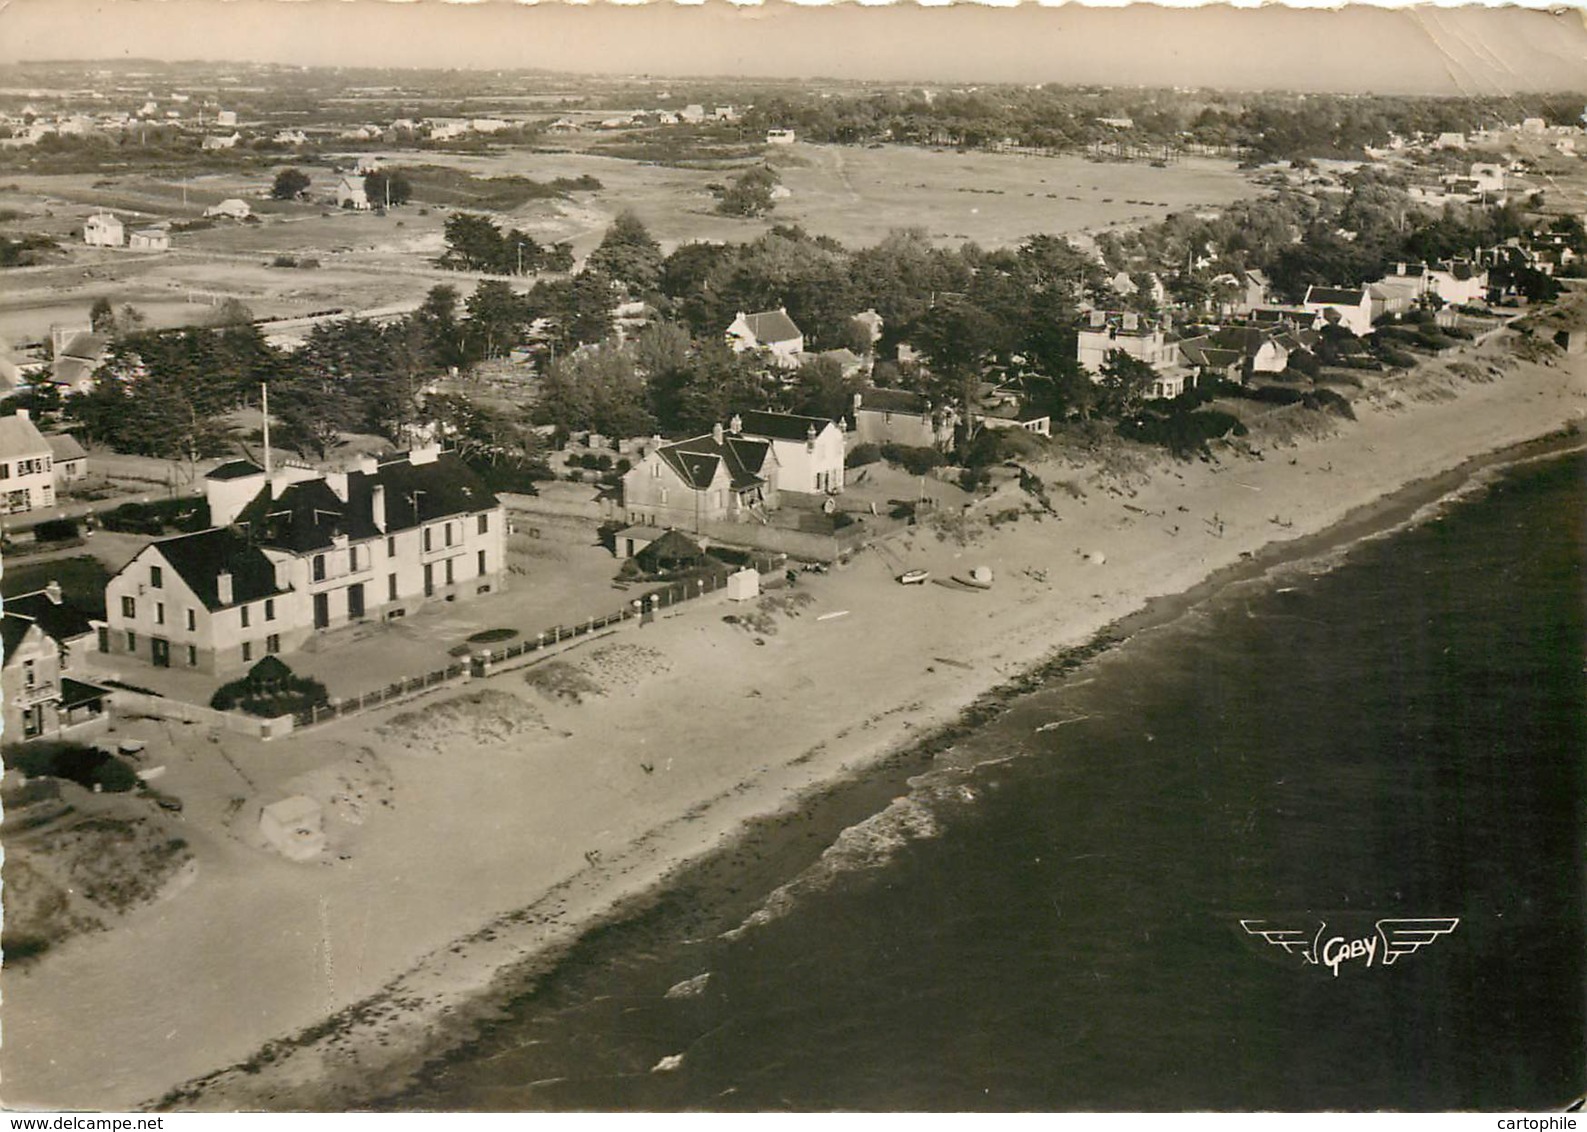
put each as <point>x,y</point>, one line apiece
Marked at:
<point>391,587</point>
<point>192,620</point>
<point>319,567</point>
<point>352,559</point>
<point>391,546</point>
<point>192,656</point>
<point>273,643</point>
<point>156,577</point>
<point>5,470</point>
<point>247,651</point>
<point>484,524</point>
<point>449,562</point>
<point>482,562</point>
<point>129,607</point>
<point>427,542</point>
<point>132,641</point>
<point>159,613</point>
<point>245,617</point>
<point>448,533</point>
<point>270,609</point>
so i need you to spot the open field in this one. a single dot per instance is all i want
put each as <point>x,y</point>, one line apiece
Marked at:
<point>856,195</point>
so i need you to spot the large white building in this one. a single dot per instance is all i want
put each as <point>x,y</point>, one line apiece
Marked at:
<point>103,230</point>
<point>304,553</point>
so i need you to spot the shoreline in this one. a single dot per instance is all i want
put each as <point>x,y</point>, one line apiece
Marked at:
<point>440,997</point>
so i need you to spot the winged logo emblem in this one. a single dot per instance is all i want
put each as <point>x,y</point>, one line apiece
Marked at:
<point>1395,939</point>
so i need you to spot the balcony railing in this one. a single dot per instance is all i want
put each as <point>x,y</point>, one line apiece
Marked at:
<point>38,693</point>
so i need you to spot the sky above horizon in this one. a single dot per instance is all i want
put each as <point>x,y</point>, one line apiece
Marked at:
<point>1407,50</point>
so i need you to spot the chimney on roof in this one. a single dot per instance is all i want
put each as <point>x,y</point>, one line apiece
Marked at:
<point>22,414</point>
<point>377,506</point>
<point>716,432</point>
<point>858,400</point>
<point>365,463</point>
<point>1399,269</point>
<point>223,589</point>
<point>736,425</point>
<point>655,443</point>
<point>53,592</point>
<point>337,482</point>
<point>810,439</point>
<point>424,454</point>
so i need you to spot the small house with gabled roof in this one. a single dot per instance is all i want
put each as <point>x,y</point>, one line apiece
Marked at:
<point>715,477</point>
<point>809,450</point>
<point>1349,307</point>
<point>772,331</point>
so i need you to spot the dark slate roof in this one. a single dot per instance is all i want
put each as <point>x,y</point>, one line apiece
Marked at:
<point>12,630</point>
<point>1337,296</point>
<point>893,401</point>
<point>308,515</point>
<point>75,693</point>
<point>672,547</point>
<point>1201,352</point>
<point>772,326</point>
<point>63,621</point>
<point>781,426</point>
<point>235,470</point>
<point>696,460</point>
<point>200,558</point>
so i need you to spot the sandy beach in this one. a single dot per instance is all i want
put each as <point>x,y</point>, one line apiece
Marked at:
<point>484,827</point>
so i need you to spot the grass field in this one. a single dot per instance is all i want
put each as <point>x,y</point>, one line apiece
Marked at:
<point>856,195</point>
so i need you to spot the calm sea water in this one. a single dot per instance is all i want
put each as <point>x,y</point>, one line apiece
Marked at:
<point>1400,735</point>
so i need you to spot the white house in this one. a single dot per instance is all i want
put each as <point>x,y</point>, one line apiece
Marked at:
<point>779,137</point>
<point>71,461</point>
<point>308,553</point>
<point>224,118</point>
<point>809,450</point>
<point>222,141</point>
<point>150,240</point>
<point>231,207</point>
<point>27,466</point>
<point>1139,337</point>
<point>350,193</point>
<point>40,636</point>
<point>1346,306</point>
<point>768,330</point>
<point>103,230</point>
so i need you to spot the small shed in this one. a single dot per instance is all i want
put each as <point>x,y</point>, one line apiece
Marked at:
<point>628,542</point>
<point>743,585</point>
<point>672,551</point>
<point>294,827</point>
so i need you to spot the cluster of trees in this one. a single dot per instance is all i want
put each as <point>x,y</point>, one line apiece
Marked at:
<point>26,251</point>
<point>750,194</point>
<point>475,242</point>
<point>1264,125</point>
